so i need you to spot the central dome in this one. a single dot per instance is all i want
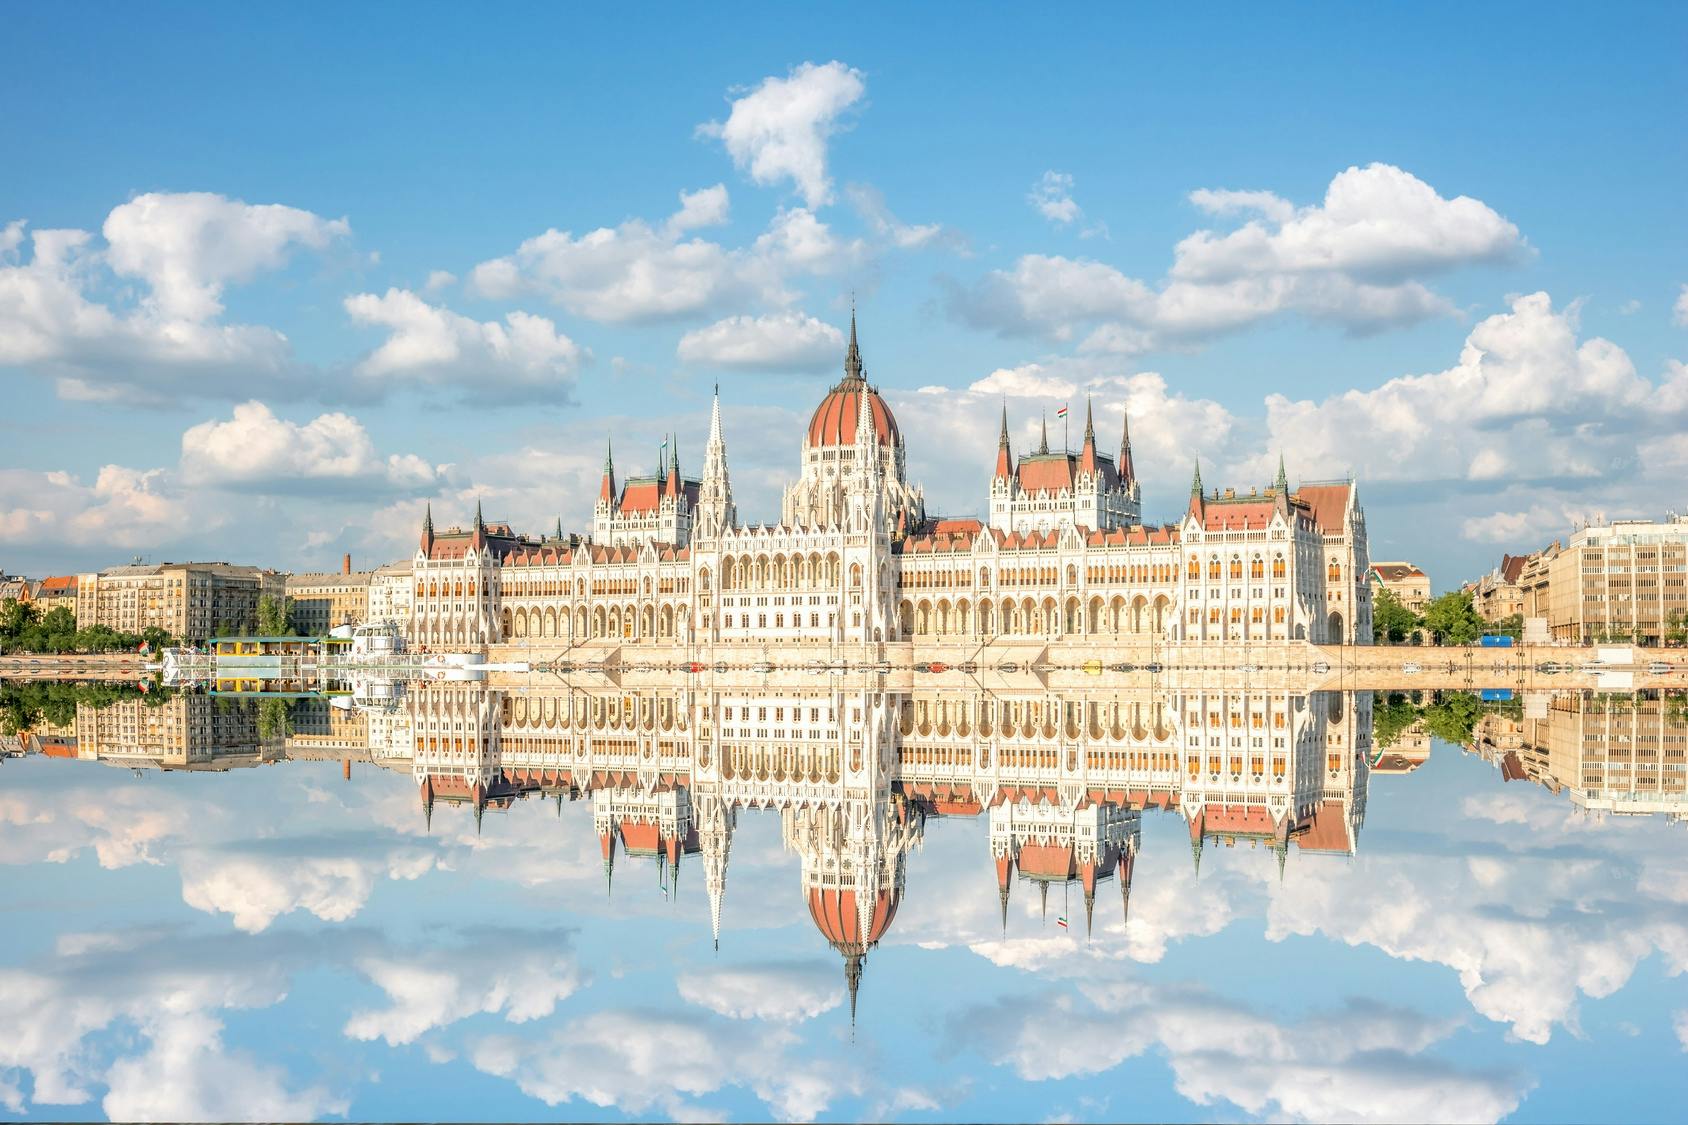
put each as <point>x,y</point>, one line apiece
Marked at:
<point>836,418</point>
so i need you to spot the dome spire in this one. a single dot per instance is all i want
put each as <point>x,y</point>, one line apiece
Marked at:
<point>853,357</point>
<point>1004,455</point>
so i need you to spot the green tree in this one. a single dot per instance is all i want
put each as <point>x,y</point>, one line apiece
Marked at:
<point>16,617</point>
<point>274,720</point>
<point>1391,716</point>
<point>273,614</point>
<point>1453,620</point>
<point>1453,717</point>
<point>1392,622</point>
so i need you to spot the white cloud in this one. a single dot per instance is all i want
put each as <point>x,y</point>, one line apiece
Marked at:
<point>255,446</point>
<point>123,508</point>
<point>1375,222</point>
<point>1680,1022</point>
<point>1679,311</point>
<point>1360,1062</point>
<point>779,130</point>
<point>788,341</point>
<point>431,344</point>
<point>628,273</point>
<point>777,993</point>
<point>431,989</point>
<point>49,323</point>
<point>644,1062</point>
<point>796,239</point>
<point>1052,197</point>
<point>187,246</point>
<point>439,280</point>
<point>256,887</point>
<point>706,207</point>
<point>1525,389</point>
<point>1353,260</point>
<point>187,1074</point>
<point>165,985</point>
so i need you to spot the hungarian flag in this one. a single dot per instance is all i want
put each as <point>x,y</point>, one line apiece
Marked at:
<point>1061,921</point>
<point>1061,413</point>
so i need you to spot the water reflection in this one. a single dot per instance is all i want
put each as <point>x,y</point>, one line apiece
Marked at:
<point>1062,800</point>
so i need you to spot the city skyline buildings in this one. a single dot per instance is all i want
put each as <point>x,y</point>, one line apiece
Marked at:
<point>328,378</point>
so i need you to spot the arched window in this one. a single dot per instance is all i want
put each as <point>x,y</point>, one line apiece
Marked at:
<point>1236,568</point>
<point>1278,567</point>
<point>1195,570</point>
<point>1257,568</point>
<point>1213,571</point>
<point>1334,572</point>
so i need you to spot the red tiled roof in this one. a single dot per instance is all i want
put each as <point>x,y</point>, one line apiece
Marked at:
<point>834,912</point>
<point>1047,472</point>
<point>1327,502</point>
<point>1327,832</point>
<point>641,495</point>
<point>834,422</point>
<point>64,583</point>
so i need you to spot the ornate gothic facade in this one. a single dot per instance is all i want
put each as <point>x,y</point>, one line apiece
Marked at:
<point>855,559</point>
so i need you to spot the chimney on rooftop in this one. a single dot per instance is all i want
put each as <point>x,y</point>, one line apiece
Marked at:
<point>1230,494</point>
<point>346,564</point>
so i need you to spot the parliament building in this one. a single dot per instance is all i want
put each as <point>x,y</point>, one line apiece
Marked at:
<point>855,559</point>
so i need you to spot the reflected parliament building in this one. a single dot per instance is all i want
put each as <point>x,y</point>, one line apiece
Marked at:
<point>1062,780</point>
<point>856,559</point>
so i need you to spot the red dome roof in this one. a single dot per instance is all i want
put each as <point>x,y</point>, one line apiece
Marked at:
<point>834,912</point>
<point>835,419</point>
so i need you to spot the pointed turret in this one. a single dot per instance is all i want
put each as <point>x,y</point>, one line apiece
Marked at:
<point>1043,443</point>
<point>1087,453</point>
<point>715,495</point>
<point>1004,876</point>
<point>559,533</point>
<point>1196,482</point>
<point>674,466</point>
<point>853,357</point>
<point>853,982</point>
<point>606,490</point>
<point>1004,455</point>
<point>1089,913</point>
<point>1282,483</point>
<point>607,839</point>
<point>1127,471</point>
<point>1127,861</point>
<point>1043,887</point>
<point>428,529</point>
<point>477,537</point>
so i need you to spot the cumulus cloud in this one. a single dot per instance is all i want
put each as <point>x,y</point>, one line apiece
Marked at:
<point>166,985</point>
<point>1361,1062</point>
<point>777,993</point>
<point>123,507</point>
<point>788,341</point>
<point>187,246</point>
<point>256,447</point>
<point>1679,311</point>
<point>428,343</point>
<point>255,886</point>
<point>439,986</point>
<point>640,1062</point>
<point>1526,396</point>
<point>1355,259</point>
<point>706,207</point>
<point>779,130</point>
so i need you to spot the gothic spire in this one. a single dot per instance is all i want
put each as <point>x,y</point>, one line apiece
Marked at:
<point>1089,912</point>
<point>1089,423</point>
<point>606,490</point>
<point>1043,445</point>
<point>1044,888</point>
<point>1196,482</point>
<point>559,527</point>
<point>853,982</point>
<point>853,357</point>
<point>1003,893</point>
<point>1282,483</point>
<point>1127,471</point>
<point>428,528</point>
<point>1004,455</point>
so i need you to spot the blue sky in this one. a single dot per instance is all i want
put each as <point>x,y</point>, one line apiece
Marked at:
<point>303,307</point>
<point>298,943</point>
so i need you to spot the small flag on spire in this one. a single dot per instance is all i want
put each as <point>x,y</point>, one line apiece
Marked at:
<point>1061,413</point>
<point>1061,921</point>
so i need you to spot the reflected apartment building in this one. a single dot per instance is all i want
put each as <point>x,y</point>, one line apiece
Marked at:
<point>856,559</point>
<point>1617,754</point>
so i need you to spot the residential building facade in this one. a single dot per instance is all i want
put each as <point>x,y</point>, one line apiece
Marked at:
<point>190,601</point>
